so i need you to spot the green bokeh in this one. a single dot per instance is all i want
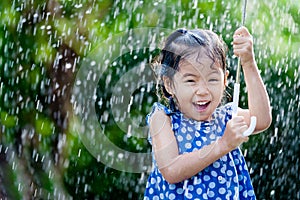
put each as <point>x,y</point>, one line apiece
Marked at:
<point>42,44</point>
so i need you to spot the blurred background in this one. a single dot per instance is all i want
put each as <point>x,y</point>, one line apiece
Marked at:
<point>42,46</point>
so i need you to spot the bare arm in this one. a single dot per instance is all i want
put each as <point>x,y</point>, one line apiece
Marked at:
<point>177,167</point>
<point>258,99</point>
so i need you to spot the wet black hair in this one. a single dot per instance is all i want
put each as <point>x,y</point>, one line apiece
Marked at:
<point>182,43</point>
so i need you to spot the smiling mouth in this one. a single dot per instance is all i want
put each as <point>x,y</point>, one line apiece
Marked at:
<point>201,106</point>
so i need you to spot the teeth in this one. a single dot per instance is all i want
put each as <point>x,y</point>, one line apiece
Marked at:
<point>201,103</point>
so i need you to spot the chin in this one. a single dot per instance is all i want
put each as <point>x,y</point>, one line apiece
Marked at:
<point>201,118</point>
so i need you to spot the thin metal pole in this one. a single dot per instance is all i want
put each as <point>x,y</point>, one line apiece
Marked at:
<point>238,70</point>
<point>236,92</point>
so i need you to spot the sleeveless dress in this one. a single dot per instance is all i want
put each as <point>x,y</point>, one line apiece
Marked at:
<point>226,178</point>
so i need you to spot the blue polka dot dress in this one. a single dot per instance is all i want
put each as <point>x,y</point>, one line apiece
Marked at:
<point>226,178</point>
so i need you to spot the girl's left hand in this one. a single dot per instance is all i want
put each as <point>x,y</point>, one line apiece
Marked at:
<point>243,46</point>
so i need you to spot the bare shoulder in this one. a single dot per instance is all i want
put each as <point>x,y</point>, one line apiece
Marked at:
<point>159,122</point>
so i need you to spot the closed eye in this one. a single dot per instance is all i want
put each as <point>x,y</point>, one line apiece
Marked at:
<point>190,81</point>
<point>213,80</point>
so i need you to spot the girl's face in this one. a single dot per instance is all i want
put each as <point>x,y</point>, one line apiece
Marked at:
<point>198,87</point>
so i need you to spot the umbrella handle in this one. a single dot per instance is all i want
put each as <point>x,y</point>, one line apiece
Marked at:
<point>252,126</point>
<point>236,94</point>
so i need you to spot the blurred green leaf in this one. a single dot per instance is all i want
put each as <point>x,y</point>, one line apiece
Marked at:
<point>7,120</point>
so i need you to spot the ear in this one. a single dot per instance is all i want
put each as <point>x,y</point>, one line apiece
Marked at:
<point>168,85</point>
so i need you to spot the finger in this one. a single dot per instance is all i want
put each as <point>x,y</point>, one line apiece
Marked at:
<point>243,127</point>
<point>238,118</point>
<point>239,40</point>
<point>238,52</point>
<point>242,40</point>
<point>246,138</point>
<point>242,31</point>
<point>239,47</point>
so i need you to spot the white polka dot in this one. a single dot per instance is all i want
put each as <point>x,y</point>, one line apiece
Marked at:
<point>158,179</point>
<point>188,145</point>
<point>188,137</point>
<point>206,178</point>
<point>161,195</point>
<point>229,173</point>
<point>235,179</point>
<point>183,130</point>
<point>240,177</point>
<point>212,136</point>
<point>167,193</point>
<point>176,125</point>
<point>214,127</point>
<point>211,194</point>
<point>155,197</point>
<point>204,196</point>
<point>206,131</point>
<point>153,180</point>
<point>190,129</point>
<point>240,168</point>
<point>251,193</point>
<point>179,138</point>
<point>216,164</point>
<point>224,158</point>
<point>214,173</point>
<point>241,188</point>
<point>191,187</point>
<point>151,191</point>
<point>199,191</point>
<point>179,190</point>
<point>222,190</point>
<point>245,194</point>
<point>172,186</point>
<point>189,195</point>
<point>212,185</point>
<point>223,169</point>
<point>221,180</point>
<point>198,143</point>
<point>172,196</point>
<point>236,161</point>
<point>195,149</point>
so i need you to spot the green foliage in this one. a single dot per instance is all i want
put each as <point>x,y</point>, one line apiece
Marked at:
<point>41,46</point>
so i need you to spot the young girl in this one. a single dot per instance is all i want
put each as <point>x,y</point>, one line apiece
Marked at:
<point>195,140</point>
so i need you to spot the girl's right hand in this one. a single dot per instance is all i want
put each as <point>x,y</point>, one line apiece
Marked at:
<point>233,135</point>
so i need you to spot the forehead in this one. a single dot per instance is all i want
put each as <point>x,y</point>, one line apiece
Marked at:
<point>199,64</point>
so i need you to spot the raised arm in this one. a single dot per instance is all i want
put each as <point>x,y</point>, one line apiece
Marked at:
<point>258,99</point>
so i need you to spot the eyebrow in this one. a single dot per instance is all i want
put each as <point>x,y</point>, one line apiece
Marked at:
<point>188,74</point>
<point>215,71</point>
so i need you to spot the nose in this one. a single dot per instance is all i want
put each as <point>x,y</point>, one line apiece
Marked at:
<point>202,88</point>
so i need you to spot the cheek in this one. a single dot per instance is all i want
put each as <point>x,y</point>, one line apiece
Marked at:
<point>218,89</point>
